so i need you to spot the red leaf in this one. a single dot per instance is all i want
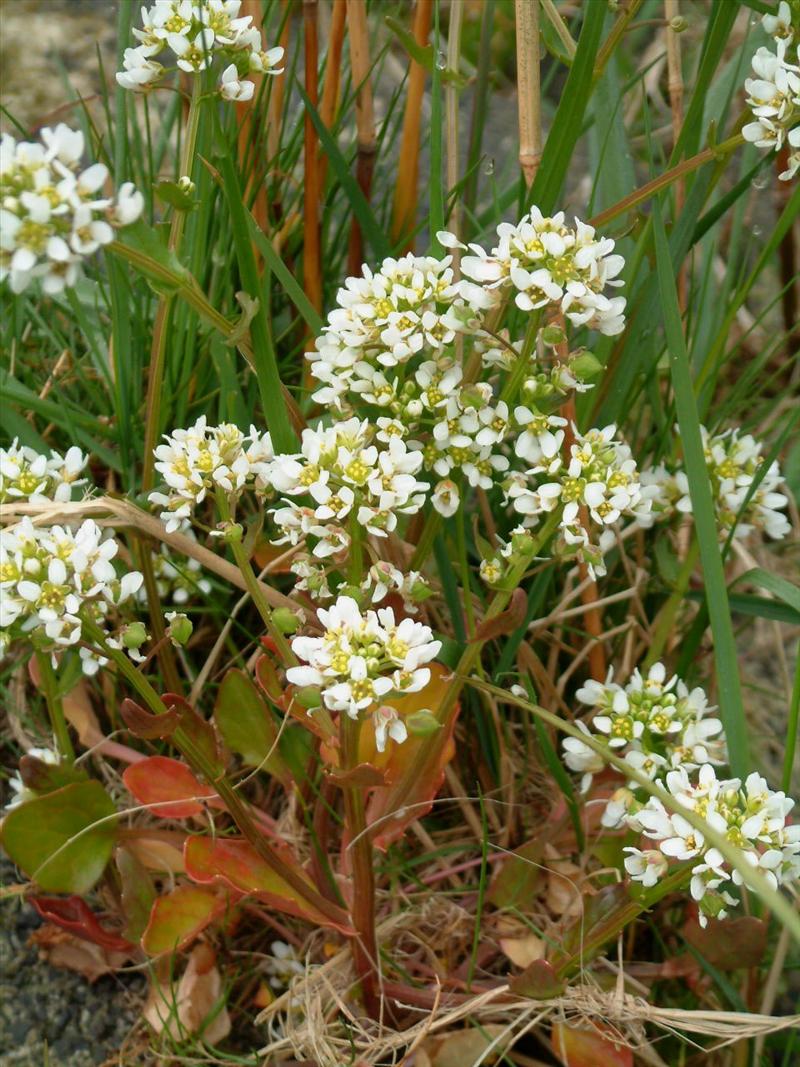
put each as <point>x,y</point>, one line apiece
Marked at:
<point>589,1048</point>
<point>177,918</point>
<point>169,785</point>
<point>71,913</point>
<point>234,863</point>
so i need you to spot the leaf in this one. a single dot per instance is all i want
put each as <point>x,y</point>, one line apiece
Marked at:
<point>363,775</point>
<point>232,862</point>
<point>538,981</point>
<point>157,850</point>
<point>143,724</point>
<point>171,193</point>
<point>73,914</point>
<point>507,621</point>
<point>729,944</point>
<point>775,584</point>
<point>409,793</point>
<point>157,263</point>
<point>199,732</point>
<point>56,839</point>
<point>587,1048</point>
<point>62,949</point>
<point>247,724</point>
<point>725,651</point>
<point>194,1005</point>
<point>44,777</point>
<point>168,785</point>
<point>460,1048</point>
<point>518,877</point>
<point>178,917</point>
<point>137,893</point>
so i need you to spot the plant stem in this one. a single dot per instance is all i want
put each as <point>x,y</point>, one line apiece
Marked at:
<point>55,706</point>
<point>364,946</point>
<point>791,733</point>
<point>254,587</point>
<point>528,88</point>
<point>355,563</point>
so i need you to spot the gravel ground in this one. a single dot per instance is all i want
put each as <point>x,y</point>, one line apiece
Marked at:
<point>55,1018</point>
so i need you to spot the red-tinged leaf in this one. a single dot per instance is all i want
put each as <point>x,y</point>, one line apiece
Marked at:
<point>168,785</point>
<point>604,914</point>
<point>196,728</point>
<point>177,918</point>
<point>157,850</point>
<point>44,777</point>
<point>538,981</point>
<point>364,775</point>
<point>142,724</point>
<point>235,864</point>
<point>518,877</point>
<point>64,839</point>
<point>507,621</point>
<point>589,1048</point>
<point>73,914</point>
<point>138,892</point>
<point>267,677</point>
<point>414,771</point>
<point>729,944</point>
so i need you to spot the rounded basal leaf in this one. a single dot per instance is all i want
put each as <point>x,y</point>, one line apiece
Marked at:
<point>589,1048</point>
<point>179,917</point>
<point>168,785</point>
<point>63,840</point>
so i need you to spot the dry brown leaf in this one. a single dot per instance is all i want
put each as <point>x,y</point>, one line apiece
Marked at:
<point>192,999</point>
<point>462,1047</point>
<point>563,896</point>
<point>518,942</point>
<point>161,852</point>
<point>62,949</point>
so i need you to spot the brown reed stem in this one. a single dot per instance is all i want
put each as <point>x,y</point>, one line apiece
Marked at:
<point>365,120</point>
<point>312,257</point>
<point>405,194</point>
<point>529,94</point>
<point>333,76</point>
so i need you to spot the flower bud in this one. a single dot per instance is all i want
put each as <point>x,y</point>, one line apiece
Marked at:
<point>552,336</point>
<point>232,533</point>
<point>414,409</point>
<point>286,620</point>
<point>134,635</point>
<point>422,723</point>
<point>186,185</point>
<point>180,627</point>
<point>308,697</point>
<point>585,366</point>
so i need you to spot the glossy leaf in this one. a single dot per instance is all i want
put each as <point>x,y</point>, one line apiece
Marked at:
<point>246,723</point>
<point>44,777</point>
<point>73,914</point>
<point>235,864</point>
<point>177,918</point>
<point>408,795</point>
<point>589,1048</point>
<point>168,785</point>
<point>63,840</point>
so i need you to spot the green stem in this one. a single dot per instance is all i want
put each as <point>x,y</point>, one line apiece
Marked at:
<point>520,368</point>
<point>161,329</point>
<point>364,946</point>
<point>283,647</point>
<point>203,765</point>
<point>430,529</point>
<point>55,707</point>
<point>355,562</point>
<point>666,617</point>
<point>791,733</point>
<point>166,653</point>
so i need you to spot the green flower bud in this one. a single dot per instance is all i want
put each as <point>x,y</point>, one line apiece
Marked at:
<point>308,697</point>
<point>232,533</point>
<point>585,366</point>
<point>180,627</point>
<point>286,620</point>
<point>134,635</point>
<point>552,336</point>
<point>422,723</point>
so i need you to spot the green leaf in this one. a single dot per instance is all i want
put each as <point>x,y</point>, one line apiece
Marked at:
<point>137,893</point>
<point>63,840</point>
<point>285,278</point>
<point>172,194</point>
<point>773,583</point>
<point>246,723</point>
<point>730,695</point>
<point>568,121</point>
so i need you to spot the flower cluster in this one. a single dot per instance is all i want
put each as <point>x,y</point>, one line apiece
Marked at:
<point>362,659</point>
<point>53,214</point>
<point>381,322</point>
<point>732,459</point>
<point>655,724</point>
<point>50,579</point>
<point>199,32</point>
<point>28,475</point>
<point>773,95</point>
<point>751,816</point>
<point>199,460</point>
<point>545,263</point>
<point>593,485</point>
<point>346,470</point>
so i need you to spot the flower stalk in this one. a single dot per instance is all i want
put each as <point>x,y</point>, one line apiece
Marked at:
<point>55,706</point>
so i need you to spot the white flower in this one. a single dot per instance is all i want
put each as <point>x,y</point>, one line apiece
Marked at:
<point>230,88</point>
<point>50,218</point>
<point>445,497</point>
<point>388,724</point>
<point>282,965</point>
<point>773,95</point>
<point>50,577</point>
<point>27,475</point>
<point>139,72</point>
<point>646,867</point>
<point>360,659</point>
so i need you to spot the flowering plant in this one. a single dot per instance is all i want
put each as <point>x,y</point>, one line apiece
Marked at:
<point>379,571</point>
